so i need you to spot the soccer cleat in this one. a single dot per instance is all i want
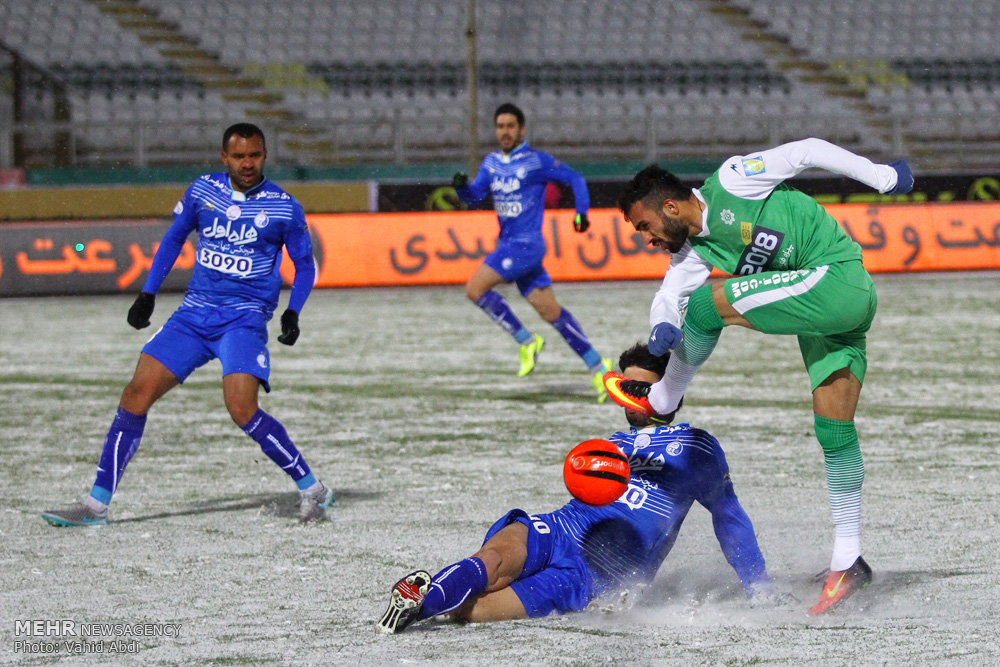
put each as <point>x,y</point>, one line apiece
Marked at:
<point>529,355</point>
<point>602,393</point>
<point>841,585</point>
<point>314,503</point>
<point>76,515</point>
<point>405,602</point>
<point>630,394</point>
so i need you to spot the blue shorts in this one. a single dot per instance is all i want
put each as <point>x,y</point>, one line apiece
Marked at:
<point>521,264</point>
<point>555,576</point>
<point>194,336</point>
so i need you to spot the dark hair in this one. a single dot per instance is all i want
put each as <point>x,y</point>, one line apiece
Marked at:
<point>653,182</point>
<point>507,107</point>
<point>639,356</point>
<point>245,130</point>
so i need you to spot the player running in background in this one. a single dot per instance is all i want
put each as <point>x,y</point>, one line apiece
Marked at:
<point>797,272</point>
<point>243,221</point>
<point>532,565</point>
<point>517,176</point>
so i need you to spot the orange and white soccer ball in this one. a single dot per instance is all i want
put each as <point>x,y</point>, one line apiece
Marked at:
<point>596,472</point>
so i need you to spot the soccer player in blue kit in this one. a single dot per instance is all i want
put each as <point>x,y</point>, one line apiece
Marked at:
<point>517,175</point>
<point>531,565</point>
<point>243,221</point>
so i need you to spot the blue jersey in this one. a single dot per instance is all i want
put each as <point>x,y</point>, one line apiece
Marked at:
<point>240,237</point>
<point>517,181</point>
<point>672,466</point>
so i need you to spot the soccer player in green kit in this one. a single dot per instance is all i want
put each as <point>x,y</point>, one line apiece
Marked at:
<point>795,272</point>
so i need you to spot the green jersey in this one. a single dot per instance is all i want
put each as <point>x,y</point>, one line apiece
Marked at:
<point>787,229</point>
<point>754,222</point>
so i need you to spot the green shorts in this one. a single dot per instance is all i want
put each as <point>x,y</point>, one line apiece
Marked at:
<point>830,308</point>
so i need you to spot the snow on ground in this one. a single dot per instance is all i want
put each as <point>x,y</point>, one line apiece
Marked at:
<point>405,401</point>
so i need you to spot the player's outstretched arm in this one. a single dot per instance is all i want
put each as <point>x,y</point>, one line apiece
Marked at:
<point>754,175</point>
<point>736,537</point>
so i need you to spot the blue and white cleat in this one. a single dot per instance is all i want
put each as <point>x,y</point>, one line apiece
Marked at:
<point>314,503</point>
<point>78,514</point>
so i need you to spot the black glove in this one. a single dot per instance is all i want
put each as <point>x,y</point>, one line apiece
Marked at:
<point>142,308</point>
<point>580,222</point>
<point>289,327</point>
<point>459,180</point>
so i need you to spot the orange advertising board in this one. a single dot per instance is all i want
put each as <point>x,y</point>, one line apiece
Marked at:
<point>446,247</point>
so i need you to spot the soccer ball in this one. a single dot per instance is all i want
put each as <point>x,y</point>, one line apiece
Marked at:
<point>596,472</point>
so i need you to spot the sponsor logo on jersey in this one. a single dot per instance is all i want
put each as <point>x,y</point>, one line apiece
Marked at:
<point>261,220</point>
<point>245,235</point>
<point>728,217</point>
<point>746,229</point>
<point>179,208</point>
<point>760,252</point>
<point>753,166</point>
<point>233,212</point>
<point>505,185</point>
<point>640,461</point>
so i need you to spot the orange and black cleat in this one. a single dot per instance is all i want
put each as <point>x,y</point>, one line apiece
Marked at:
<point>630,394</point>
<point>841,585</point>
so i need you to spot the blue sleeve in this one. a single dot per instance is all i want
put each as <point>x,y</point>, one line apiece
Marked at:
<point>560,173</point>
<point>474,192</point>
<point>171,244</point>
<point>299,247</point>
<point>735,533</point>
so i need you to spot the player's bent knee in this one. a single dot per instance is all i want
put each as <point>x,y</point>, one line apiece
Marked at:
<point>241,414</point>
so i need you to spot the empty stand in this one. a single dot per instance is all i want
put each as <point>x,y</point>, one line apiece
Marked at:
<point>349,81</point>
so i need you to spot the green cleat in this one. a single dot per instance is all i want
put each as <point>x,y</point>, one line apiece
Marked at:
<point>602,393</point>
<point>529,355</point>
<point>76,515</point>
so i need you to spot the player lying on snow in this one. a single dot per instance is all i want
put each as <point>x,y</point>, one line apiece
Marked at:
<point>533,565</point>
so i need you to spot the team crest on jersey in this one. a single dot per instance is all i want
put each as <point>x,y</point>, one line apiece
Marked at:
<point>262,360</point>
<point>727,216</point>
<point>233,212</point>
<point>753,166</point>
<point>746,232</point>
<point>674,448</point>
<point>179,208</point>
<point>521,172</point>
<point>507,262</point>
<point>261,220</point>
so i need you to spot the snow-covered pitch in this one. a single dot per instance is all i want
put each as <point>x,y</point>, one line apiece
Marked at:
<point>406,402</point>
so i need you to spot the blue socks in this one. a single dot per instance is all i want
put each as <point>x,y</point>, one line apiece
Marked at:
<point>126,432</point>
<point>572,333</point>
<point>453,585</point>
<point>119,446</point>
<point>499,311</point>
<point>274,441</point>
